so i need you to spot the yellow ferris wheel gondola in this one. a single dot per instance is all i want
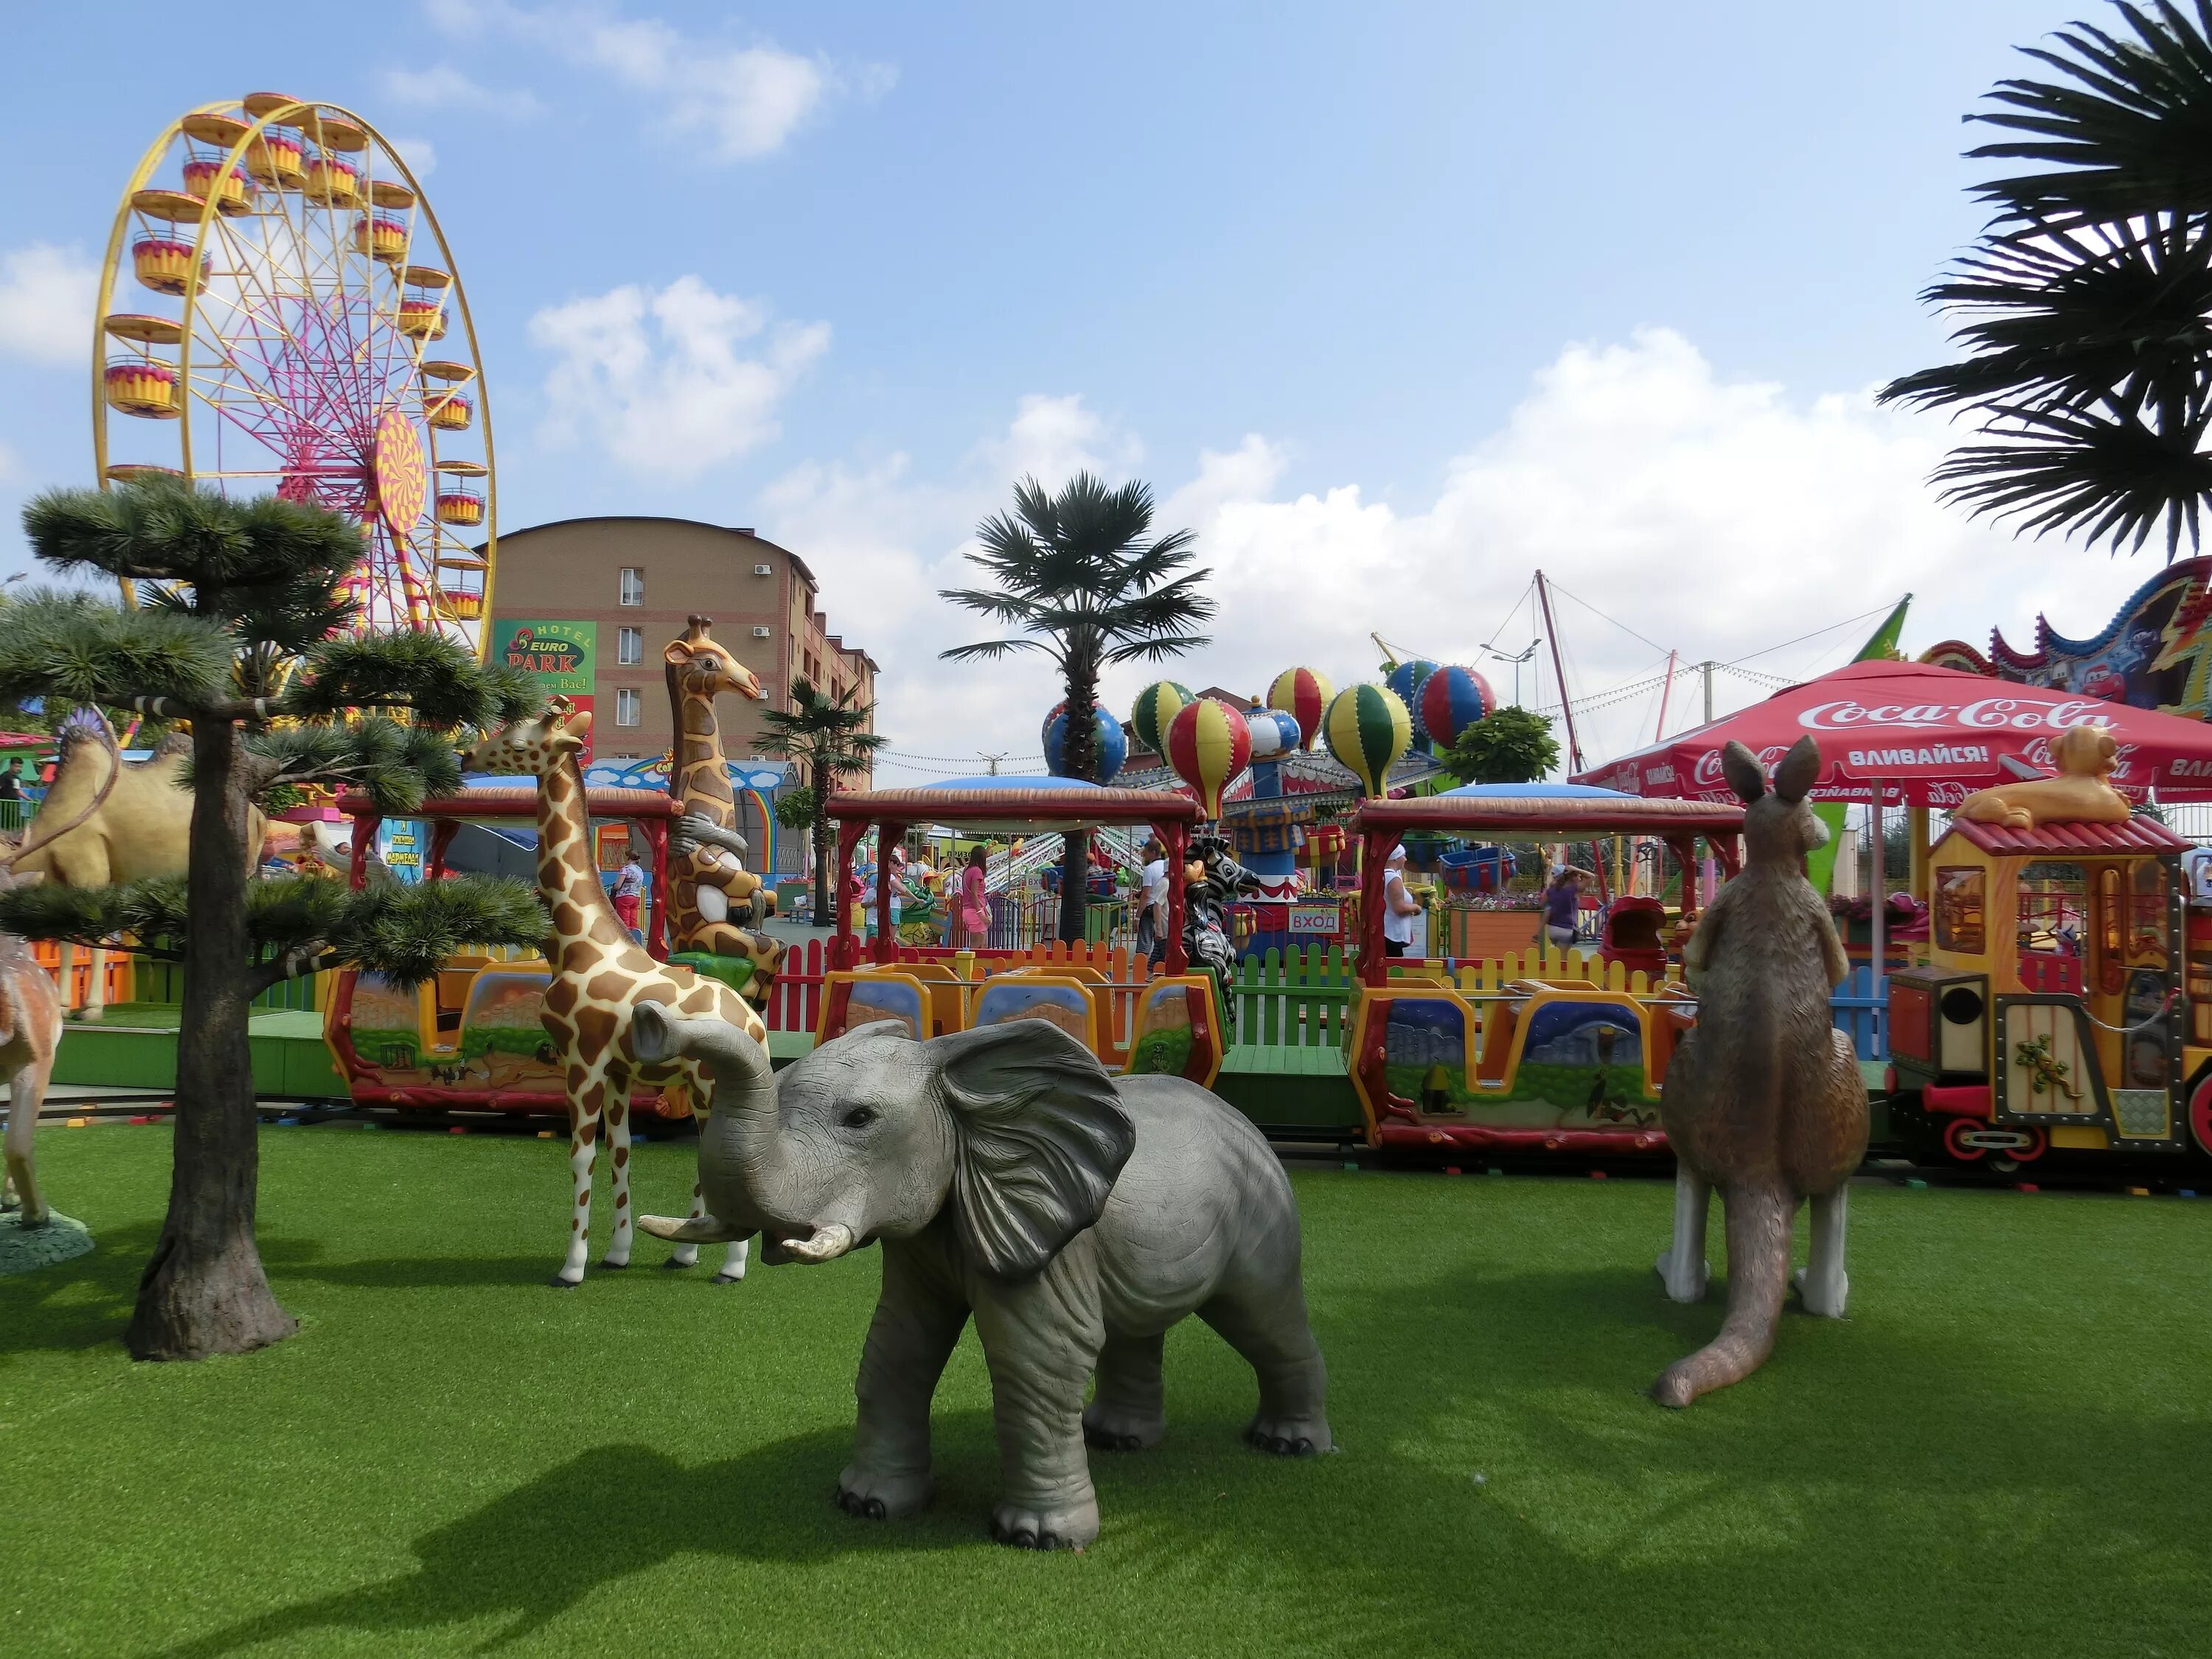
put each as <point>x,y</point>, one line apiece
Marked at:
<point>310,281</point>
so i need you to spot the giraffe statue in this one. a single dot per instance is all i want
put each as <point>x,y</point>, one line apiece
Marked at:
<point>599,976</point>
<point>707,882</point>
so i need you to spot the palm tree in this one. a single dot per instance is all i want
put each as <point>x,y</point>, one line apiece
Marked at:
<point>826,737</point>
<point>2087,304</point>
<point>1076,581</point>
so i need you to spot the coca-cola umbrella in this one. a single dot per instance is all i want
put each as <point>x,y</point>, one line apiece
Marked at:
<point>1927,736</point>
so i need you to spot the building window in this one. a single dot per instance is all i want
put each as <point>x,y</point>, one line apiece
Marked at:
<point>628,704</point>
<point>632,585</point>
<point>629,644</point>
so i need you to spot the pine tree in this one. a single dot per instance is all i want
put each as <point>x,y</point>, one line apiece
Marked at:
<point>235,634</point>
<point>1077,581</point>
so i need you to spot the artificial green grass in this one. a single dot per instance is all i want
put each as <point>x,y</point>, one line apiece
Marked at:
<point>2005,1450</point>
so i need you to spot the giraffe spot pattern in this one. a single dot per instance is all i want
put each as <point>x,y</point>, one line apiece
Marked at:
<point>595,1029</point>
<point>606,987</point>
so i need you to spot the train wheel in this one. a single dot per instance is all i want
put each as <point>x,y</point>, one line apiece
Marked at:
<point>1956,1143</point>
<point>2200,1112</point>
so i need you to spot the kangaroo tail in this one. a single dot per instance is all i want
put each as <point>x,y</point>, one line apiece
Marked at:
<point>1758,1278</point>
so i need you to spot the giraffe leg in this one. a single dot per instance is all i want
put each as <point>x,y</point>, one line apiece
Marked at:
<point>583,1147</point>
<point>617,1109</point>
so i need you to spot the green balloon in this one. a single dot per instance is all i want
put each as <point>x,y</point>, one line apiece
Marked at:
<point>1157,705</point>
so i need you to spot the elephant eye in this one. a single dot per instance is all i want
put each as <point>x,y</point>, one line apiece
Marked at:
<point>859,1117</point>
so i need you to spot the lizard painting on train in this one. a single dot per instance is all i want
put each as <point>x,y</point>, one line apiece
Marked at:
<point>717,909</point>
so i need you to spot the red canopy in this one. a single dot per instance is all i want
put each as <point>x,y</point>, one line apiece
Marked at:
<point>1929,736</point>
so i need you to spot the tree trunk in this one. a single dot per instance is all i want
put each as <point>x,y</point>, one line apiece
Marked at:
<point>204,1292</point>
<point>1080,756</point>
<point>824,915</point>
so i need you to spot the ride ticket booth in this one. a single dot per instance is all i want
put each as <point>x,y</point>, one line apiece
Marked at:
<point>2052,1013</point>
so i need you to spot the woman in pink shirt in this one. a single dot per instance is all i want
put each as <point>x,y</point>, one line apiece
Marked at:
<point>973,917</point>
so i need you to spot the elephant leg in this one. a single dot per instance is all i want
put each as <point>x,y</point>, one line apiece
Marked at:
<point>1824,1286</point>
<point>1681,1267</point>
<point>1266,1323</point>
<point>584,1106</point>
<point>919,1318</point>
<point>26,1093</point>
<point>1127,1410</point>
<point>1042,1338</point>
<point>617,1119</point>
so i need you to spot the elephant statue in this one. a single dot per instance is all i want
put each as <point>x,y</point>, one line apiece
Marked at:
<point>1076,1215</point>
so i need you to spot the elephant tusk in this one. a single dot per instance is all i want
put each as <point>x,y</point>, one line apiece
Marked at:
<point>827,1245</point>
<point>704,1230</point>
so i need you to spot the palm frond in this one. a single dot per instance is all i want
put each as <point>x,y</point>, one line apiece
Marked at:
<point>2125,130</point>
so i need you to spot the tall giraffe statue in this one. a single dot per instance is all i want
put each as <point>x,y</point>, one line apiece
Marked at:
<point>599,976</point>
<point>708,881</point>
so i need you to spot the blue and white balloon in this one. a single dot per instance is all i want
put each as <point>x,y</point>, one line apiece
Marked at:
<point>1274,732</point>
<point>1111,749</point>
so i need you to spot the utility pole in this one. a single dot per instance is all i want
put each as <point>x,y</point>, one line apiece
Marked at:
<point>1560,672</point>
<point>1706,669</point>
<point>1003,753</point>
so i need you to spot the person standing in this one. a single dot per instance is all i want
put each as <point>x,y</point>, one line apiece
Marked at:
<point>1152,913</point>
<point>1400,907</point>
<point>972,914</point>
<point>629,892</point>
<point>1562,899</point>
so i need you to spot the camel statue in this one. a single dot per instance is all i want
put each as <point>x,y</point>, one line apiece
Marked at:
<point>126,821</point>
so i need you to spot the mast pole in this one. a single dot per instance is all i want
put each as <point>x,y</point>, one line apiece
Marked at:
<point>1560,672</point>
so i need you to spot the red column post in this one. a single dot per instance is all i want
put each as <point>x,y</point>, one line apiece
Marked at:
<point>1175,837</point>
<point>888,836</point>
<point>1374,847</point>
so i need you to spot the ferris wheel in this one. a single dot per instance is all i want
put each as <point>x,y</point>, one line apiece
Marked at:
<point>303,358</point>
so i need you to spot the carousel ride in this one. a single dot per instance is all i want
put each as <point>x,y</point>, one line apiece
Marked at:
<point>274,314</point>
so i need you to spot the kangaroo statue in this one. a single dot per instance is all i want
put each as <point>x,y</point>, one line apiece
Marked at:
<point>1764,1099</point>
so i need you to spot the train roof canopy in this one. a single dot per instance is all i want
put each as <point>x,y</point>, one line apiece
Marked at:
<point>1541,809</point>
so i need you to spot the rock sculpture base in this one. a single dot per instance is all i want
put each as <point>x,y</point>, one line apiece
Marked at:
<point>26,1249</point>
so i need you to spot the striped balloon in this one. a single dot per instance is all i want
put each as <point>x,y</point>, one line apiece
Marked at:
<point>1108,749</point>
<point>1452,699</point>
<point>1273,732</point>
<point>1406,680</point>
<point>1158,704</point>
<point>1368,729</point>
<point>1208,745</point>
<point>1303,694</point>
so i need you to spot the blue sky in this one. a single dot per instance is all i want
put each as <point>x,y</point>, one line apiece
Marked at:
<point>1391,303</point>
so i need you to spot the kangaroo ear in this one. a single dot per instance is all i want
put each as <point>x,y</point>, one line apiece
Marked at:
<point>1041,1138</point>
<point>1799,771</point>
<point>1741,769</point>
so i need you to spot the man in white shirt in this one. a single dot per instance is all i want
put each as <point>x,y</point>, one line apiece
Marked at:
<point>1152,918</point>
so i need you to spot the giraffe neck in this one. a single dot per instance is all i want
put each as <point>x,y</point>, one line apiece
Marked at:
<point>584,920</point>
<point>701,780</point>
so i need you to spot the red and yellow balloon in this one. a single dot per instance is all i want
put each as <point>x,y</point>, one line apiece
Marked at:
<point>1208,745</point>
<point>1303,693</point>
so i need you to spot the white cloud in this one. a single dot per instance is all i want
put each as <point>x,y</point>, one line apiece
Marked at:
<point>443,87</point>
<point>657,377</point>
<point>420,155</point>
<point>742,102</point>
<point>47,295</point>
<point>1720,518</point>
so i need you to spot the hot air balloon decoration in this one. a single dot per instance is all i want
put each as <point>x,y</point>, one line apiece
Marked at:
<point>1303,695</point>
<point>1452,699</point>
<point>1158,704</point>
<point>1274,733</point>
<point>1108,749</point>
<point>1208,745</point>
<point>1368,729</point>
<point>1405,681</point>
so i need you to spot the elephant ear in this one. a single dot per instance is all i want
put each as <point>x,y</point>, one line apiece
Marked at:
<point>1041,1136</point>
